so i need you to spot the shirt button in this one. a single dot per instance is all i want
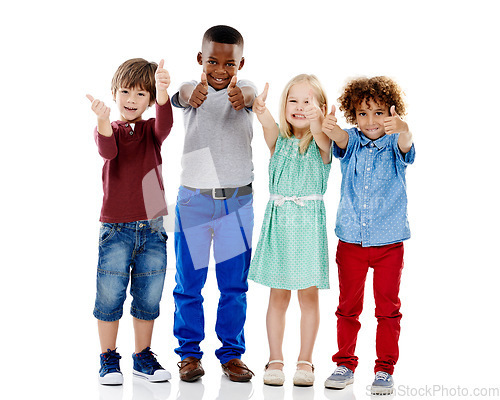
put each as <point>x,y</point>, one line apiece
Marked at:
<point>141,225</point>
<point>364,205</point>
<point>371,151</point>
<point>368,169</point>
<point>366,187</point>
<point>364,224</point>
<point>131,133</point>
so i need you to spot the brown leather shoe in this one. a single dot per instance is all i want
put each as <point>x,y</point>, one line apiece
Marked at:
<point>190,369</point>
<point>237,371</point>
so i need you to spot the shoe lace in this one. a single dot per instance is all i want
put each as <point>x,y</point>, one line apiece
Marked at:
<point>148,359</point>
<point>111,361</point>
<point>382,376</point>
<point>340,371</point>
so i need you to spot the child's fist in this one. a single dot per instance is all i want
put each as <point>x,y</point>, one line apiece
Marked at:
<point>100,109</point>
<point>394,123</point>
<point>330,122</point>
<point>312,111</point>
<point>259,104</point>
<point>235,95</point>
<point>200,92</point>
<point>162,77</point>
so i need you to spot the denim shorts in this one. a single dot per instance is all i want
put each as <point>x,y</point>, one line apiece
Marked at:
<point>135,251</point>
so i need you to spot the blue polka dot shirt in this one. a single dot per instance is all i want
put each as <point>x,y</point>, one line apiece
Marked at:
<point>373,201</point>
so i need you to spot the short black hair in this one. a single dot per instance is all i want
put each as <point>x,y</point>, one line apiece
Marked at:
<point>223,34</point>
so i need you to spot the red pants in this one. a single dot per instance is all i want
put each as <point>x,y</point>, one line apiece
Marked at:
<point>353,262</point>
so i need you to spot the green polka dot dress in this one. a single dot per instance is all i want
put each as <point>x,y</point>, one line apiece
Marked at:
<point>292,252</point>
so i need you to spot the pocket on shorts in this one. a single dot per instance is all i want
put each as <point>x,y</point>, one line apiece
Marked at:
<point>162,234</point>
<point>106,232</point>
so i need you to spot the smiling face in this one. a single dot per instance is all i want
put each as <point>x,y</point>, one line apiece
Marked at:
<point>297,100</point>
<point>132,102</point>
<point>370,118</point>
<point>220,61</point>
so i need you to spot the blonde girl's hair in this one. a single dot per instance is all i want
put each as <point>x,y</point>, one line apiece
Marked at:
<point>285,128</point>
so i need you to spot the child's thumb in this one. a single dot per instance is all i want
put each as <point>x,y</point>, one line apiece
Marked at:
<point>90,98</point>
<point>393,111</point>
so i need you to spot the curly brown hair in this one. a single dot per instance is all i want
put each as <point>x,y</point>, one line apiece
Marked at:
<point>381,89</point>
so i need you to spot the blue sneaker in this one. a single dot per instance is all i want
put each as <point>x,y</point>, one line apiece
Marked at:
<point>146,367</point>
<point>383,383</point>
<point>110,373</point>
<point>341,377</point>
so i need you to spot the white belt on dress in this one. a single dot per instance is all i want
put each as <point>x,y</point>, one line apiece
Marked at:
<point>279,199</point>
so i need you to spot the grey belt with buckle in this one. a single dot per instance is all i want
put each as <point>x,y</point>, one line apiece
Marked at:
<point>224,193</point>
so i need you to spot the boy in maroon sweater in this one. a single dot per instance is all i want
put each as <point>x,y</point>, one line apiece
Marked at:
<point>132,242</point>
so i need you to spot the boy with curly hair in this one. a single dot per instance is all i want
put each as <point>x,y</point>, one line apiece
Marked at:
<point>371,220</point>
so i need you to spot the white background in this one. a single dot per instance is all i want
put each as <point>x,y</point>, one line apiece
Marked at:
<point>443,53</point>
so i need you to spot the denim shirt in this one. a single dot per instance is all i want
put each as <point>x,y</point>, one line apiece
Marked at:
<point>373,202</point>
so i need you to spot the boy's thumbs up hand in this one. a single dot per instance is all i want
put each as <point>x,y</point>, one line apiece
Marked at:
<point>259,104</point>
<point>330,122</point>
<point>394,123</point>
<point>200,92</point>
<point>162,77</point>
<point>235,95</point>
<point>99,108</point>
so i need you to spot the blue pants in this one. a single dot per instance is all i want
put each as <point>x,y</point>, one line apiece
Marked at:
<point>229,222</point>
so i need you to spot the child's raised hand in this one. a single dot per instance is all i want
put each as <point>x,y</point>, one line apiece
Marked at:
<point>259,104</point>
<point>162,77</point>
<point>330,122</point>
<point>200,92</point>
<point>235,95</point>
<point>312,111</point>
<point>100,109</point>
<point>394,123</point>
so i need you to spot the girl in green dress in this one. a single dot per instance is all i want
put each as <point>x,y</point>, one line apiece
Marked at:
<point>292,252</point>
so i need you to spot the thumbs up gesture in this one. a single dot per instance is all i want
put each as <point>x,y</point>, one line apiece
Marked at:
<point>199,94</point>
<point>162,78</point>
<point>259,104</point>
<point>394,123</point>
<point>312,111</point>
<point>329,123</point>
<point>235,95</point>
<point>100,109</point>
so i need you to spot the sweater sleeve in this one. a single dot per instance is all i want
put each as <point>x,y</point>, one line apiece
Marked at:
<point>164,121</point>
<point>106,146</point>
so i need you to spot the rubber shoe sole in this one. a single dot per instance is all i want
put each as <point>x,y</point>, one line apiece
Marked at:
<point>160,375</point>
<point>331,384</point>
<point>111,379</point>
<point>382,390</point>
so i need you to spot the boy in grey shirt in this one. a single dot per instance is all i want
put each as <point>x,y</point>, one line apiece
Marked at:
<point>215,201</point>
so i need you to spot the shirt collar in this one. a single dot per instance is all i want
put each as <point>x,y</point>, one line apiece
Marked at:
<point>380,143</point>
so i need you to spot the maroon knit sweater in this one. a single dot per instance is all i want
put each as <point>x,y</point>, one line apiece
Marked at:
<point>131,176</point>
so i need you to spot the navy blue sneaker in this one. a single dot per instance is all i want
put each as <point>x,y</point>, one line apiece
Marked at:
<point>146,367</point>
<point>383,383</point>
<point>110,373</point>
